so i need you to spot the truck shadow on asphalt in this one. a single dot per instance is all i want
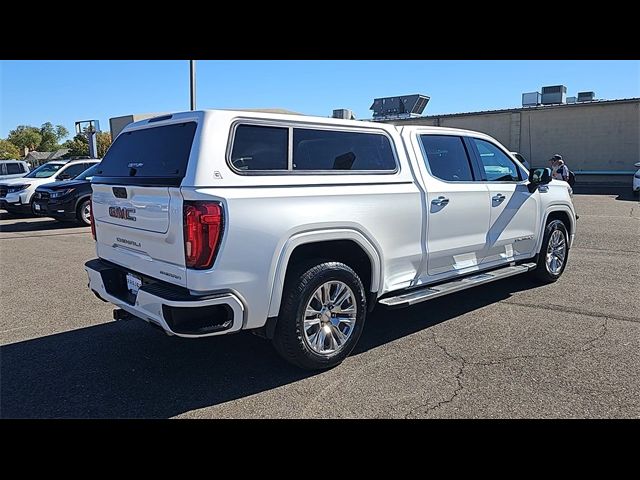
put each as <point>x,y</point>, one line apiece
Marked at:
<point>129,370</point>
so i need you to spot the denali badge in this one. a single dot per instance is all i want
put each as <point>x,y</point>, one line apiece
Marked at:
<point>128,242</point>
<point>123,213</point>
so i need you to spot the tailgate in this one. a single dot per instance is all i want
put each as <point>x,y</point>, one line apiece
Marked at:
<point>135,207</point>
<point>139,232</point>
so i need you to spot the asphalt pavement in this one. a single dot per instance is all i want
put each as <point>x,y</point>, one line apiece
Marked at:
<point>510,349</point>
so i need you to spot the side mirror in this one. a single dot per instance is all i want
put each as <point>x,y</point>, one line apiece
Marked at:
<point>63,176</point>
<point>537,177</point>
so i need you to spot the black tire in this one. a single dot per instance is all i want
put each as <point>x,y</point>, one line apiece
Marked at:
<point>79,216</point>
<point>289,338</point>
<point>32,210</point>
<point>542,273</point>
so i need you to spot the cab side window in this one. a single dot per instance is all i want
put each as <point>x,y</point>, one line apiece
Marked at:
<point>14,168</point>
<point>498,167</point>
<point>73,171</point>
<point>446,158</point>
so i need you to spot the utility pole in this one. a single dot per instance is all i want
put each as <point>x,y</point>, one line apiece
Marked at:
<point>192,74</point>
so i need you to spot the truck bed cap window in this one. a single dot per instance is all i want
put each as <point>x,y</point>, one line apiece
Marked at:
<point>150,156</point>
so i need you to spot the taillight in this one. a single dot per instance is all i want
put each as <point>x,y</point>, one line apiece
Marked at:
<point>93,223</point>
<point>202,233</point>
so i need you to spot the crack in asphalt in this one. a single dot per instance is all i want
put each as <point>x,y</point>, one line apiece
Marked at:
<point>458,378</point>
<point>577,311</point>
<point>633,252</point>
<point>584,347</point>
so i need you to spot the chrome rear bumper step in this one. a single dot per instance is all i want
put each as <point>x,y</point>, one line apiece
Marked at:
<point>435,291</point>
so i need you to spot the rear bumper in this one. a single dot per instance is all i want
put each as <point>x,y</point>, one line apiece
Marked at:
<point>169,306</point>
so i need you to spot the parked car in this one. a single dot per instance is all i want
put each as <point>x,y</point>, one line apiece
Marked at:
<point>68,200</point>
<point>13,169</point>
<point>636,180</point>
<point>295,227</point>
<point>16,193</point>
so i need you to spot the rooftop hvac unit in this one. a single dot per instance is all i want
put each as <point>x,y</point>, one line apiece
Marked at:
<point>405,106</point>
<point>571,99</point>
<point>586,96</point>
<point>343,113</point>
<point>531,99</point>
<point>554,94</point>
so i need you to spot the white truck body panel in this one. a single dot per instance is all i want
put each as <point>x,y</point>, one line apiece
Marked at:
<point>391,216</point>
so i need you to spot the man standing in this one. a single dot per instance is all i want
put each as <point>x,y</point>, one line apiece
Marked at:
<point>559,170</point>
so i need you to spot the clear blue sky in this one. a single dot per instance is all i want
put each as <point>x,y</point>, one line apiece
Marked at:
<point>33,92</point>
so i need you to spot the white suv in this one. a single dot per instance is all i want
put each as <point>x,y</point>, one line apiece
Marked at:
<point>295,227</point>
<point>16,193</point>
<point>13,169</point>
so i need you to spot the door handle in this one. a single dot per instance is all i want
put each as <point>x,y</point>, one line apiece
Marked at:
<point>440,201</point>
<point>498,197</point>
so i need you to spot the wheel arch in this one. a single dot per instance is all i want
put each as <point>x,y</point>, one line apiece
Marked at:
<point>332,244</point>
<point>82,199</point>
<point>558,212</point>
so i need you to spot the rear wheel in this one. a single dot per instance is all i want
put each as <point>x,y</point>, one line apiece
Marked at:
<point>83,213</point>
<point>322,316</point>
<point>553,254</point>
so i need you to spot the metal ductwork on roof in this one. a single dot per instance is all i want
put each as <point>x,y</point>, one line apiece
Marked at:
<point>404,106</point>
<point>343,113</point>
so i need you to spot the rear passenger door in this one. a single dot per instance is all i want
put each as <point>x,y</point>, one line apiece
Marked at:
<point>456,206</point>
<point>514,210</point>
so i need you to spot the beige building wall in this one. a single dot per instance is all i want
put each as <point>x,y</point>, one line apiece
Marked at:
<point>602,136</point>
<point>117,124</point>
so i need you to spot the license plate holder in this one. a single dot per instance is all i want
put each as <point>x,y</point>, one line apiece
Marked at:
<point>134,282</point>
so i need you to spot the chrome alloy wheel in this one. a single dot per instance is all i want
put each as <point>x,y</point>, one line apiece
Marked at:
<point>330,317</point>
<point>556,252</point>
<point>86,214</point>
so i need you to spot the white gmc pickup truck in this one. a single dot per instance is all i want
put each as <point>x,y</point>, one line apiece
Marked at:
<point>295,227</point>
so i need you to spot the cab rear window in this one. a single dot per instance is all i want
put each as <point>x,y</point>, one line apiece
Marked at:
<point>150,156</point>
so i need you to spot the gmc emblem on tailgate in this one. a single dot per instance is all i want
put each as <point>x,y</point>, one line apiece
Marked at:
<point>123,213</point>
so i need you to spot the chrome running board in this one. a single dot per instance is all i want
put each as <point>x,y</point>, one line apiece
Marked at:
<point>435,291</point>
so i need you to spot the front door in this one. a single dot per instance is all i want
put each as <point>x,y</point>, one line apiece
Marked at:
<point>514,210</point>
<point>456,207</point>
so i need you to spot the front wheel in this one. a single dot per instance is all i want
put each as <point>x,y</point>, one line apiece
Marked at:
<point>322,316</point>
<point>83,215</point>
<point>553,254</point>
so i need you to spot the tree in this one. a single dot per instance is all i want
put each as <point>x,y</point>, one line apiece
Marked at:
<point>79,146</point>
<point>8,150</point>
<point>51,136</point>
<point>25,136</point>
<point>43,139</point>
